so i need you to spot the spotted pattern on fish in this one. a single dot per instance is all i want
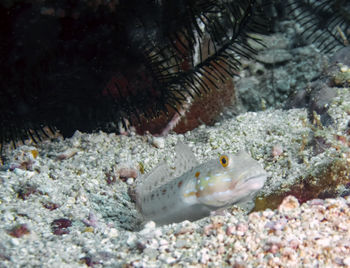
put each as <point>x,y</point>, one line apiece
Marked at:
<point>190,191</point>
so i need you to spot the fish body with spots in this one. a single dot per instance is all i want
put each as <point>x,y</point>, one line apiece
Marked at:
<point>191,191</point>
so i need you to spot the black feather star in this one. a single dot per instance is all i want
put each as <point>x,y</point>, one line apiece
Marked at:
<point>77,66</point>
<point>325,23</point>
<point>82,65</point>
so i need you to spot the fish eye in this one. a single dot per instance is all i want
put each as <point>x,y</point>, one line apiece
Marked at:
<point>224,161</point>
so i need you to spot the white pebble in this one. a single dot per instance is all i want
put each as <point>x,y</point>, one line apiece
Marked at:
<point>344,68</point>
<point>113,232</point>
<point>163,242</point>
<point>158,142</point>
<point>346,261</point>
<point>131,241</point>
<point>14,242</point>
<point>150,225</point>
<point>151,252</point>
<point>19,172</point>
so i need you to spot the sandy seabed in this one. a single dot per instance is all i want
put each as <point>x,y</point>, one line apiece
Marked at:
<point>66,203</point>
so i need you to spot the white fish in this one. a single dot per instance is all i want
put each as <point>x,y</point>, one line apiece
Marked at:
<point>190,191</point>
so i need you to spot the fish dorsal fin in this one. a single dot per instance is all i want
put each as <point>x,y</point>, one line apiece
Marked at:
<point>185,159</point>
<point>157,177</point>
<point>162,174</point>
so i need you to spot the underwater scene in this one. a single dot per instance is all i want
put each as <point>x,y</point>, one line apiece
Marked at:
<point>192,133</point>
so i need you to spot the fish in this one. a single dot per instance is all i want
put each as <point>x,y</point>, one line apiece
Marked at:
<point>191,191</point>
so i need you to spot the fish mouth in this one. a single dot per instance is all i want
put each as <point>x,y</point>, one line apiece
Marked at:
<point>252,183</point>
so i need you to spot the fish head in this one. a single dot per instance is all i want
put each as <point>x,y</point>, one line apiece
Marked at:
<point>230,179</point>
